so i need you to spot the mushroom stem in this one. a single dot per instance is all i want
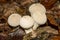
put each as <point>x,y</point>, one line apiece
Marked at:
<point>31,29</point>
<point>28,30</point>
<point>33,33</point>
<point>35,26</point>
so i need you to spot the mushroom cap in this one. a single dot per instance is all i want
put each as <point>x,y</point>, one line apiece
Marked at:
<point>26,22</point>
<point>13,19</point>
<point>39,18</point>
<point>37,8</point>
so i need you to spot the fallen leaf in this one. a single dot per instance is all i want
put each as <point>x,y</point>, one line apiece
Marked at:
<point>56,38</point>
<point>48,3</point>
<point>51,19</point>
<point>3,1</point>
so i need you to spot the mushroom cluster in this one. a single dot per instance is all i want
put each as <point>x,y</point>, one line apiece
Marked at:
<point>29,23</point>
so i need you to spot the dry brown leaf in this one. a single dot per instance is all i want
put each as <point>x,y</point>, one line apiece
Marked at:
<point>3,1</point>
<point>48,3</point>
<point>51,19</point>
<point>56,38</point>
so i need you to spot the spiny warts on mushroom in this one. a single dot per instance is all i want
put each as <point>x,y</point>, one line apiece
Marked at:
<point>13,19</point>
<point>26,22</point>
<point>37,12</point>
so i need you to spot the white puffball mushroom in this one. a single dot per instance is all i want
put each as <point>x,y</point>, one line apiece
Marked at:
<point>37,8</point>
<point>13,19</point>
<point>39,19</point>
<point>26,22</point>
<point>38,13</point>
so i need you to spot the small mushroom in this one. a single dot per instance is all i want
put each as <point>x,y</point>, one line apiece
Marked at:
<point>38,11</point>
<point>13,19</point>
<point>39,19</point>
<point>27,22</point>
<point>37,8</point>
